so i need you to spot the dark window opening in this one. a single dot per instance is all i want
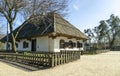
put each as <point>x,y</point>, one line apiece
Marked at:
<point>62,43</point>
<point>70,44</point>
<point>79,45</point>
<point>74,44</point>
<point>25,44</point>
<point>66,44</point>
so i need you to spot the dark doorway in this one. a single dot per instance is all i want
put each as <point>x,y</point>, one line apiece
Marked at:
<point>33,45</point>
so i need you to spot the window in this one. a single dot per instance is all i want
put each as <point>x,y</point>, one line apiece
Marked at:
<point>62,43</point>
<point>25,44</point>
<point>8,46</point>
<point>70,44</point>
<point>66,45</point>
<point>79,45</point>
<point>74,44</point>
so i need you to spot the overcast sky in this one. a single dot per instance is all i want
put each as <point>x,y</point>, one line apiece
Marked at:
<point>87,13</point>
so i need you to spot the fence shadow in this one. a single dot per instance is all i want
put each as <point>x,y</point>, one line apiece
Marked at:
<point>22,66</point>
<point>33,61</point>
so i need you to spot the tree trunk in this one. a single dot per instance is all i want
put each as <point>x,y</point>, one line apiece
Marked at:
<point>111,45</point>
<point>108,36</point>
<point>13,43</point>
<point>112,42</point>
<point>13,38</point>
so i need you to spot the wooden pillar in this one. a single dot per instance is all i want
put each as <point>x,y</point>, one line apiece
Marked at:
<point>52,60</point>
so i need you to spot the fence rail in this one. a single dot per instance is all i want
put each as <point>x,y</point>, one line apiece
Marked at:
<point>47,59</point>
<point>96,51</point>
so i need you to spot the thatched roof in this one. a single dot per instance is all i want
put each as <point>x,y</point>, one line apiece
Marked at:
<point>62,26</point>
<point>58,26</point>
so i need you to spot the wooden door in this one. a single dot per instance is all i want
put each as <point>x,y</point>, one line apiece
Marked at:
<point>33,45</point>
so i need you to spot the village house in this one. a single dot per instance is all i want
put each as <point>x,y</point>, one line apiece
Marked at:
<point>56,36</point>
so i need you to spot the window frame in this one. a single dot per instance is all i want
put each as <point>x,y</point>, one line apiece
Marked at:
<point>62,44</point>
<point>70,44</point>
<point>79,44</point>
<point>25,44</point>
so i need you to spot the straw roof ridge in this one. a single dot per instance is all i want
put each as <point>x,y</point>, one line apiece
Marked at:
<point>59,25</point>
<point>63,26</point>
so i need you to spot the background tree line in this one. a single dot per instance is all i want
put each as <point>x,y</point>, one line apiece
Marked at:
<point>106,34</point>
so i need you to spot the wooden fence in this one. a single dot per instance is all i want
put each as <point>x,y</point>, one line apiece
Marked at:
<point>96,51</point>
<point>46,59</point>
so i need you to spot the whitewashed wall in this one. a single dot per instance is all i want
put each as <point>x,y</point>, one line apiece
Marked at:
<point>51,44</point>
<point>42,44</point>
<point>45,44</point>
<point>5,45</point>
<point>20,45</point>
<point>57,42</point>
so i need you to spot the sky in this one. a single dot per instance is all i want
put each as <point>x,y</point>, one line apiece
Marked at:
<point>85,14</point>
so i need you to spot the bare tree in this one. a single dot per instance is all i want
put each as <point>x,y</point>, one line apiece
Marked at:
<point>9,9</point>
<point>1,35</point>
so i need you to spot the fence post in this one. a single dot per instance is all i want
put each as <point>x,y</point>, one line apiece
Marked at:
<point>61,57</point>
<point>66,57</point>
<point>52,60</point>
<point>58,56</point>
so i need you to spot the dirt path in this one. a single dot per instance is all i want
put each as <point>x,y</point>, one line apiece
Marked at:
<point>105,64</point>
